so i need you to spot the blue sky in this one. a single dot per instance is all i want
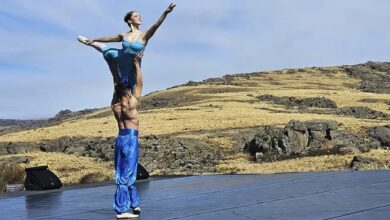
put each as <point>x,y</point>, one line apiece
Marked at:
<point>43,69</point>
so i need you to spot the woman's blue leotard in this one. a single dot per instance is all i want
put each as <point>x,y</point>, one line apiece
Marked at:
<point>123,60</point>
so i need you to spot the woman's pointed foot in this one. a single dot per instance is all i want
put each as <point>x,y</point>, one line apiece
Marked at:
<point>83,40</point>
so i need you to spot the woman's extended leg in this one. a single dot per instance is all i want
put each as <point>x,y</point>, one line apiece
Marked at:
<point>109,56</point>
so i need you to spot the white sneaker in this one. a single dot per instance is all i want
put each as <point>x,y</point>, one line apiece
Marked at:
<point>126,215</point>
<point>83,40</point>
<point>137,210</point>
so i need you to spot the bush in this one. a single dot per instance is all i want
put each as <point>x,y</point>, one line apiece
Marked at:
<point>10,173</point>
<point>290,71</point>
<point>94,178</point>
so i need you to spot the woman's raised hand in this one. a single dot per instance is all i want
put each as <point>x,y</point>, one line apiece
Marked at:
<point>170,8</point>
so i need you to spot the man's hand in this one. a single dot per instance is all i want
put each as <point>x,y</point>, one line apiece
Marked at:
<point>138,58</point>
<point>170,8</point>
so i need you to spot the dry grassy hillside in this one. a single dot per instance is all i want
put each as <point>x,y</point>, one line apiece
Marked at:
<point>211,110</point>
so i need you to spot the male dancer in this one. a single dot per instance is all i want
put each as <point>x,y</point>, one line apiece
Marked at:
<point>124,106</point>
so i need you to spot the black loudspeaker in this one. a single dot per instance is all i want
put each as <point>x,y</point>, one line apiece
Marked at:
<point>142,173</point>
<point>41,178</point>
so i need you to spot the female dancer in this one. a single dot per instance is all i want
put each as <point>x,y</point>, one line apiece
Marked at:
<point>125,67</point>
<point>133,42</point>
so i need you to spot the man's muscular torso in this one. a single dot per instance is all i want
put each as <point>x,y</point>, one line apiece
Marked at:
<point>124,106</point>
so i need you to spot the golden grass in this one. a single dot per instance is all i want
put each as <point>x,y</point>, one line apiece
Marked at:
<point>10,173</point>
<point>225,144</point>
<point>232,111</point>
<point>242,165</point>
<point>69,168</point>
<point>225,110</point>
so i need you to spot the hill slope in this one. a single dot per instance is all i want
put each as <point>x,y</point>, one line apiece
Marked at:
<point>202,127</point>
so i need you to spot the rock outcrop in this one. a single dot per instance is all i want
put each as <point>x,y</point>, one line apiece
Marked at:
<point>375,76</point>
<point>382,134</point>
<point>162,155</point>
<point>306,138</point>
<point>17,147</point>
<point>318,102</point>
<point>361,163</point>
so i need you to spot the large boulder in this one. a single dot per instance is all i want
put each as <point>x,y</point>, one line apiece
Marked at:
<point>300,138</point>
<point>382,134</point>
<point>361,163</point>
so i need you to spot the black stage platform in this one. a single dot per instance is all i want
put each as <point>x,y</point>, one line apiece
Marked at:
<point>319,195</point>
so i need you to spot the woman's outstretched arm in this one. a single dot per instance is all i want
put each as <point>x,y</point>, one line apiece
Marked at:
<point>149,33</point>
<point>116,38</point>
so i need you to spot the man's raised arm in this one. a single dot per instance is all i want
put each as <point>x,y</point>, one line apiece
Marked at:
<point>138,77</point>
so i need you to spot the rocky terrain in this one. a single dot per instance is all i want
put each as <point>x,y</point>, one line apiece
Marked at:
<point>221,124</point>
<point>311,138</point>
<point>11,125</point>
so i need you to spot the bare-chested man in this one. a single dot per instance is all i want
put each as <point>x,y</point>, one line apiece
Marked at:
<point>124,105</point>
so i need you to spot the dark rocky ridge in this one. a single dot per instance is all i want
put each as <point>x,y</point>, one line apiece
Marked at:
<point>318,102</point>
<point>67,114</point>
<point>327,106</point>
<point>354,111</point>
<point>375,76</point>
<point>168,154</point>
<point>10,126</point>
<point>165,154</point>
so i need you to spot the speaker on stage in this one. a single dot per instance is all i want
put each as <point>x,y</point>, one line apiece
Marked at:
<point>41,178</point>
<point>142,173</point>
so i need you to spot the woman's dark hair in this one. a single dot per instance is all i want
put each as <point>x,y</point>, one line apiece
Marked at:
<point>128,16</point>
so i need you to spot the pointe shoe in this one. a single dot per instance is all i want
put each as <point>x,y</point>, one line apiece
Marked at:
<point>83,40</point>
<point>137,210</point>
<point>126,215</point>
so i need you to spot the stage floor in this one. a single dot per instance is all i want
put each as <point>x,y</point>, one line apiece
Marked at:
<point>317,195</point>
